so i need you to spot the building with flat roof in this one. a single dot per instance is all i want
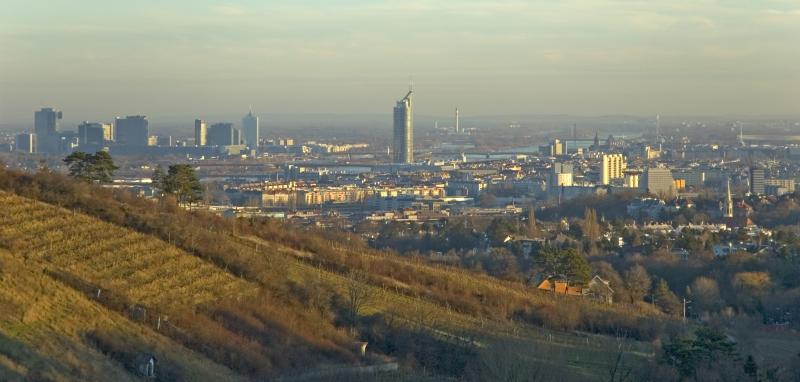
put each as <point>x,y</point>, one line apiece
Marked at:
<point>223,134</point>
<point>25,143</point>
<point>657,181</point>
<point>756,181</point>
<point>200,132</point>
<point>91,134</point>
<point>632,178</point>
<point>613,167</point>
<point>132,130</point>
<point>788,184</point>
<point>560,176</point>
<point>45,125</point>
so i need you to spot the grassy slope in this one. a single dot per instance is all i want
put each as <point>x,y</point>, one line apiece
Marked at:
<point>147,271</point>
<point>577,355</point>
<point>153,273</point>
<point>43,325</point>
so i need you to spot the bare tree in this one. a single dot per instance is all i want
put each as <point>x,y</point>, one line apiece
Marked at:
<point>619,371</point>
<point>532,230</point>
<point>638,282</point>
<point>591,228</point>
<point>359,294</point>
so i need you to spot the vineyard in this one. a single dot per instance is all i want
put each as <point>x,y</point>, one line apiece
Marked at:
<point>145,269</point>
<point>254,304</point>
<point>43,326</point>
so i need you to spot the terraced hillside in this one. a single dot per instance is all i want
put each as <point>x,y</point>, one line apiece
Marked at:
<point>253,302</point>
<point>148,271</point>
<point>142,282</point>
<point>45,328</point>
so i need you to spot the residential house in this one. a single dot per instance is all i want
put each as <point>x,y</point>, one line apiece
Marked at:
<point>600,290</point>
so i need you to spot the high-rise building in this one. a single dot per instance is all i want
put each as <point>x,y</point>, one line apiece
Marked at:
<point>404,130</point>
<point>25,143</point>
<point>200,132</point>
<point>45,123</point>
<point>560,176</point>
<point>250,130</point>
<point>108,131</point>
<point>223,134</point>
<point>91,134</point>
<point>756,181</point>
<point>132,130</point>
<point>658,181</point>
<point>558,148</point>
<point>632,178</point>
<point>613,166</point>
<point>692,178</point>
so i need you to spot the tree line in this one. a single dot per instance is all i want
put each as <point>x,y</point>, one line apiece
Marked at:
<point>180,180</point>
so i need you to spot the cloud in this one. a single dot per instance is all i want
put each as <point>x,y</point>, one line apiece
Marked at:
<point>726,53</point>
<point>787,12</point>
<point>553,55</point>
<point>227,10</point>
<point>651,20</point>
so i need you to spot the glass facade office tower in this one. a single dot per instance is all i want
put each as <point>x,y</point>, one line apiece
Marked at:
<point>25,143</point>
<point>91,134</point>
<point>45,123</point>
<point>132,130</point>
<point>756,181</point>
<point>404,130</point>
<point>223,134</point>
<point>250,130</point>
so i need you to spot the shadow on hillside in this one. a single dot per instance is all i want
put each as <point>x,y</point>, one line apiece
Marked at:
<point>19,362</point>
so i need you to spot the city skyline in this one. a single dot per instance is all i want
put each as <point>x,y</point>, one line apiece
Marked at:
<point>509,57</point>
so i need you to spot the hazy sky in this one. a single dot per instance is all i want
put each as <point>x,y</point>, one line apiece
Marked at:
<point>96,59</point>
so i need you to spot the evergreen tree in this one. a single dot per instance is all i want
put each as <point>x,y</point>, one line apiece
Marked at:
<point>182,182</point>
<point>102,167</point>
<point>97,167</point>
<point>708,346</point>
<point>576,268</point>
<point>666,299</point>
<point>159,178</point>
<point>751,368</point>
<point>564,263</point>
<point>78,164</point>
<point>499,229</point>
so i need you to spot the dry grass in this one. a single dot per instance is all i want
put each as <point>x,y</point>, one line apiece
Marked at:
<point>583,353</point>
<point>146,270</point>
<point>43,324</point>
<point>153,273</point>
